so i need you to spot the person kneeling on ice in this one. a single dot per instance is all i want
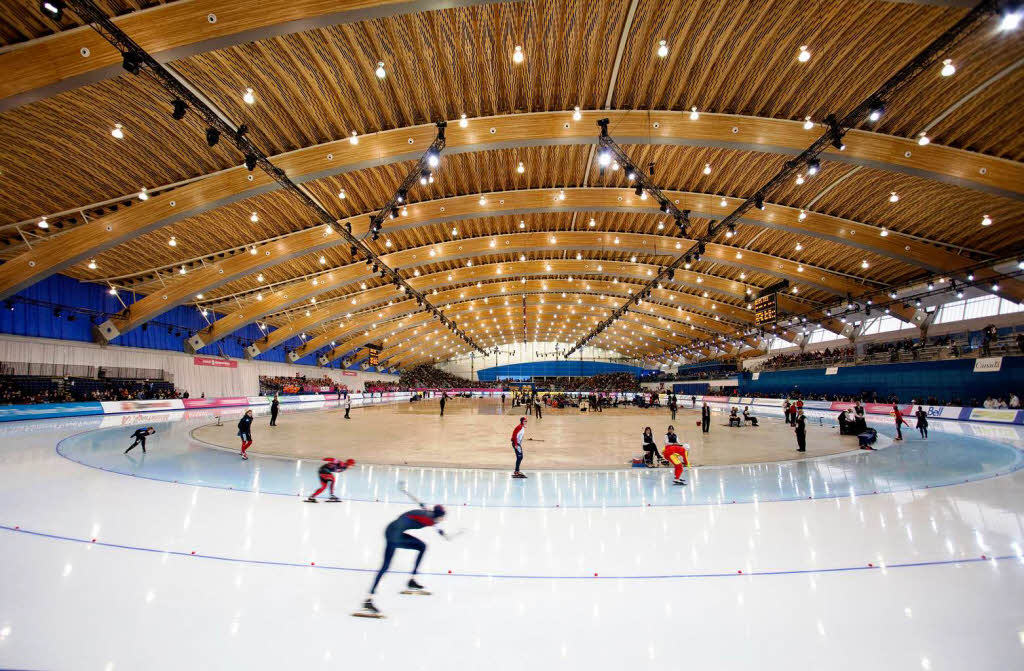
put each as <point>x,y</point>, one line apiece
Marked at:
<point>327,472</point>
<point>676,454</point>
<point>397,538</point>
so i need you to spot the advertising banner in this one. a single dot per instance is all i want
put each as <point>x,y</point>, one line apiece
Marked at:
<point>11,413</point>
<point>993,415</point>
<point>716,399</point>
<point>260,400</point>
<point>832,370</point>
<point>114,407</point>
<point>988,364</point>
<point>947,412</point>
<point>226,402</point>
<point>214,361</point>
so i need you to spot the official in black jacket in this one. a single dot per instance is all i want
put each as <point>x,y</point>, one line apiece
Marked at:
<point>801,432</point>
<point>705,418</point>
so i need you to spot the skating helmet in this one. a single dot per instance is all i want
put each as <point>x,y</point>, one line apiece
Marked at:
<point>439,510</point>
<point>350,462</point>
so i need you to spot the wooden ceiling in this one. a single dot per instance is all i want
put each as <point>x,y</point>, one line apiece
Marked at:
<point>734,60</point>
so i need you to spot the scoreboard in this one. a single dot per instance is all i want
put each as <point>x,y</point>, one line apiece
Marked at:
<point>765,309</point>
<point>374,353</point>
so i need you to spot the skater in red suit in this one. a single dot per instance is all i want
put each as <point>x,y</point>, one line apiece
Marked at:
<point>898,416</point>
<point>327,472</point>
<point>676,454</point>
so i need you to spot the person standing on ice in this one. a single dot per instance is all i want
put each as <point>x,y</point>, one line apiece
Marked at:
<point>245,431</point>
<point>518,434</point>
<point>397,538</point>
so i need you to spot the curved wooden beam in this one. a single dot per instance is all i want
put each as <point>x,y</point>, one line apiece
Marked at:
<point>462,207</point>
<point>50,65</point>
<point>786,137</point>
<point>615,294</point>
<point>301,293</point>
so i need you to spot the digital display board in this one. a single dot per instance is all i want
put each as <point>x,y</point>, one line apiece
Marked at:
<point>765,309</point>
<point>374,353</point>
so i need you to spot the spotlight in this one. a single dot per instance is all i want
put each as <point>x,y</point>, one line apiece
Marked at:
<point>425,177</point>
<point>131,62</point>
<point>639,190</point>
<point>665,207</point>
<point>212,136</point>
<point>55,10</point>
<point>179,110</point>
<point>1011,20</point>
<point>250,162</point>
<point>813,166</point>
<point>380,71</point>
<point>433,158</point>
<point>759,202</point>
<point>877,110</point>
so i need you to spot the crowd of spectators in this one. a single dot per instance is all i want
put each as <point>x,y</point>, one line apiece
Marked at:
<point>426,376</point>
<point>300,384</point>
<point>28,389</point>
<point>621,381</point>
<point>381,385</point>
<point>816,357</point>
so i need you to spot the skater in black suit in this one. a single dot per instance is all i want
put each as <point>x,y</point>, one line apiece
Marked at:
<point>922,421</point>
<point>275,407</point>
<point>245,431</point>
<point>705,418</point>
<point>444,399</point>
<point>140,438</point>
<point>801,432</point>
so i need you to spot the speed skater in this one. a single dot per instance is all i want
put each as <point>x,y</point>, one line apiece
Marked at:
<point>676,454</point>
<point>326,473</point>
<point>397,538</point>
<point>140,438</point>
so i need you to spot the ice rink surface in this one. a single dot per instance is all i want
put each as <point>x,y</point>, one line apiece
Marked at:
<point>906,558</point>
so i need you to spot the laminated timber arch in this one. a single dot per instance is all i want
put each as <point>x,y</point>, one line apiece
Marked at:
<point>49,65</point>
<point>541,200</point>
<point>783,137</point>
<point>579,240</point>
<point>401,308</point>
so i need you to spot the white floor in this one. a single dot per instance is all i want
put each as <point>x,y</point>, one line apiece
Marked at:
<point>893,580</point>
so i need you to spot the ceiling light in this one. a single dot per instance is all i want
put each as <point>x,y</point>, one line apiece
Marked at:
<point>118,131</point>
<point>893,198</point>
<point>380,71</point>
<point>252,250</point>
<point>517,55</point>
<point>561,194</point>
<point>707,168</point>
<point>483,201</point>
<point>799,179</point>
<point>803,56</point>
<point>876,112</point>
<point>802,215</point>
<point>662,49</point>
<point>995,287</point>
<point>808,124</point>
<point>799,246</point>
<point>759,202</point>
<point>462,121</point>
<point>864,265</point>
<point>604,158</point>
<point>143,195</point>
<point>520,168</point>
<point>353,138</point>
<point>799,269</point>
<point>813,167</point>
<point>948,69</point>
<point>1011,21</point>
<point>173,242</point>
<point>986,220</point>
<point>181,271</point>
<point>43,224</point>
<point>249,98</point>
<point>694,114</point>
<point>259,278</point>
<point>884,232</point>
<point>52,8</point>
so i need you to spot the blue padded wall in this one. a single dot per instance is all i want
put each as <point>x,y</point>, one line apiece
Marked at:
<point>555,368</point>
<point>941,379</point>
<point>31,313</point>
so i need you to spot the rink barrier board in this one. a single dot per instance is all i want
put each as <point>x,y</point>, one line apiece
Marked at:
<point>58,410</point>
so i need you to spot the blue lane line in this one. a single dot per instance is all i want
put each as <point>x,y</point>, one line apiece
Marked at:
<point>668,576</point>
